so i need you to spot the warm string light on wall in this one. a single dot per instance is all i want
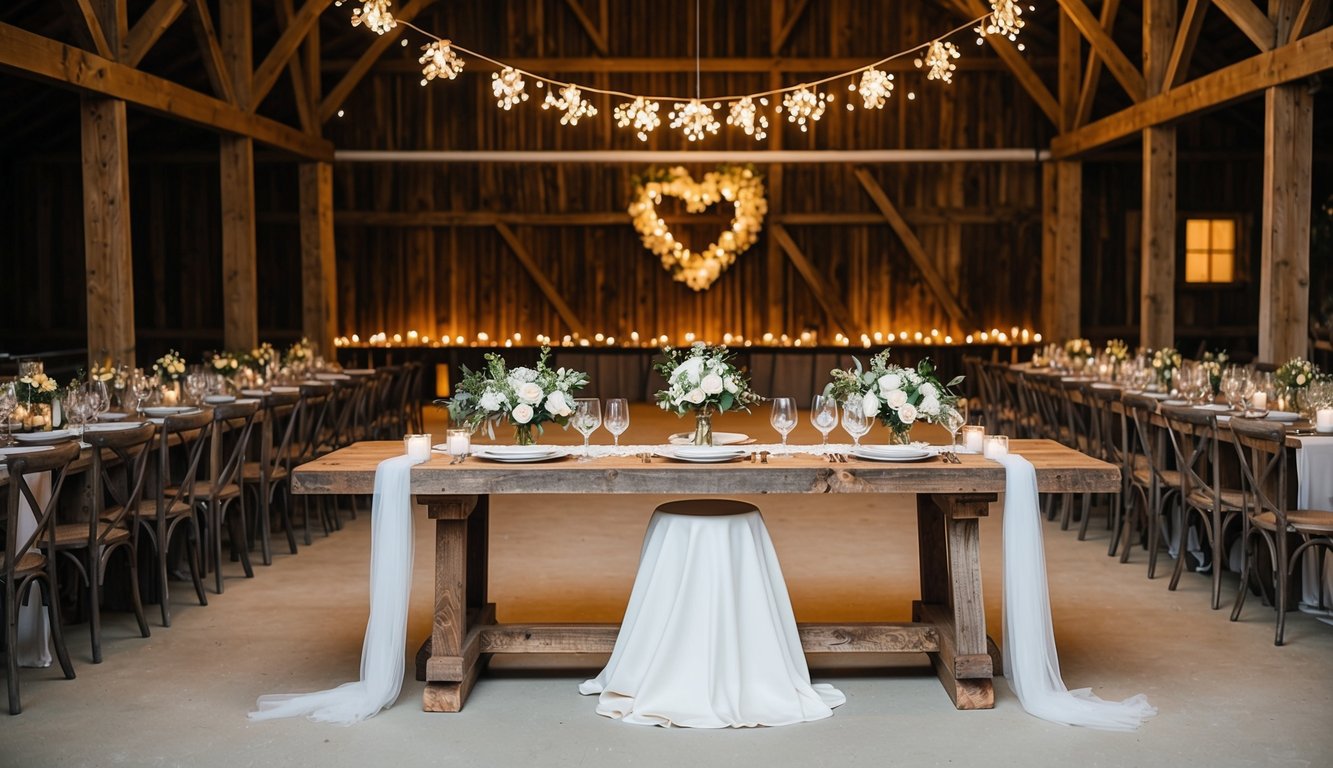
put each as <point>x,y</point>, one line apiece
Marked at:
<point>699,117</point>
<point>1013,337</point>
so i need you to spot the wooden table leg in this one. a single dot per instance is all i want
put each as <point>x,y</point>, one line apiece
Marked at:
<point>949,536</point>
<point>455,662</point>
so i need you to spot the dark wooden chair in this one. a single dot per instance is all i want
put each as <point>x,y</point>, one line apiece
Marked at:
<point>1152,480</point>
<point>120,459</point>
<point>1113,431</point>
<point>1262,453</point>
<point>220,495</point>
<point>268,480</point>
<point>22,563</point>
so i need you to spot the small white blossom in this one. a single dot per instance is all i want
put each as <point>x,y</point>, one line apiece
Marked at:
<point>491,400</point>
<point>522,413</point>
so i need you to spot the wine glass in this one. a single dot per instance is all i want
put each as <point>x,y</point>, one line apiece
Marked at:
<point>824,415</point>
<point>952,420</point>
<point>854,420</point>
<point>143,387</point>
<point>587,418</point>
<point>196,385</point>
<point>9,400</point>
<point>783,417</point>
<point>80,404</point>
<point>963,407</point>
<point>617,417</point>
<point>103,397</point>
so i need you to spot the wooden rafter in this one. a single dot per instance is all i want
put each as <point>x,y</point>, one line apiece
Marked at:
<point>1251,21</point>
<point>1187,35</point>
<point>266,76</point>
<point>210,51</point>
<point>594,32</point>
<point>539,277</point>
<point>914,249</point>
<point>87,28</point>
<point>1092,74</point>
<point>828,298</point>
<point>1308,18</point>
<point>149,29</point>
<point>34,56</point>
<point>788,26</point>
<point>305,110</point>
<point>1120,66</point>
<point>1013,60</point>
<point>331,103</point>
<point>1304,57</point>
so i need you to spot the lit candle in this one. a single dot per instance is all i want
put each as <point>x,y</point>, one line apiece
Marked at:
<point>418,446</point>
<point>974,438</point>
<point>1260,401</point>
<point>170,397</point>
<point>1324,420</point>
<point>460,442</point>
<point>997,446</point>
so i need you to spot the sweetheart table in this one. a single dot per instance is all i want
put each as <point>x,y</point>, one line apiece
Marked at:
<point>949,622</point>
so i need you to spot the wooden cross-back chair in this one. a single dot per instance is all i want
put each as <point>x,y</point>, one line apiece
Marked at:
<point>269,478</point>
<point>1152,481</point>
<point>1114,438</point>
<point>220,495</point>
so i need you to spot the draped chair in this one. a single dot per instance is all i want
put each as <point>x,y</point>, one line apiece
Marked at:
<point>1153,482</point>
<point>120,459</point>
<point>268,479</point>
<point>22,563</point>
<point>1262,453</point>
<point>1194,441</point>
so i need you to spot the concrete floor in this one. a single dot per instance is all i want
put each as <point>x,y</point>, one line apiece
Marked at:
<point>1227,696</point>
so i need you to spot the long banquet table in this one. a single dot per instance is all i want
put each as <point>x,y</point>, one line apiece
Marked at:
<point>949,622</point>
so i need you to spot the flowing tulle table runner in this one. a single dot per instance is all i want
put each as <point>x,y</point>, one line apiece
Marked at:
<point>1031,661</point>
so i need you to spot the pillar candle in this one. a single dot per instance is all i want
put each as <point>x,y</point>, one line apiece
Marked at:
<point>974,438</point>
<point>418,446</point>
<point>460,442</point>
<point>997,446</point>
<point>1260,401</point>
<point>1324,420</point>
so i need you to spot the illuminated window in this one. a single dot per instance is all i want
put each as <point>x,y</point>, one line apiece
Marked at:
<point>1210,250</point>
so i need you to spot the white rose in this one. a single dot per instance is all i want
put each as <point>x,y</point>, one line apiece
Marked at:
<point>491,400</point>
<point>530,393</point>
<point>869,405</point>
<point>896,398</point>
<point>557,404</point>
<point>929,390</point>
<point>1300,379</point>
<point>929,406</point>
<point>907,413</point>
<point>712,384</point>
<point>522,413</point>
<point>731,385</point>
<point>688,370</point>
<point>695,396</point>
<point>889,382</point>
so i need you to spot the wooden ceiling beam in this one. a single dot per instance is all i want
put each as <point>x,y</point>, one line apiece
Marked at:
<point>1310,17</point>
<point>827,298</point>
<point>201,21</point>
<point>1187,36</point>
<point>788,26</point>
<point>305,110</point>
<point>1305,57</point>
<point>1120,66</point>
<point>914,249</point>
<point>87,28</point>
<point>271,68</point>
<point>149,29</point>
<point>37,57</point>
<point>1251,20</point>
<point>539,277</point>
<point>1013,60</point>
<point>1092,74</point>
<point>593,31</point>
<point>331,103</point>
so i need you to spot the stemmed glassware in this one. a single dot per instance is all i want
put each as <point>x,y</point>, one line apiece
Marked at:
<point>824,415</point>
<point>617,417</point>
<point>81,405</point>
<point>953,421</point>
<point>854,420</point>
<point>8,402</point>
<point>587,418</point>
<point>143,387</point>
<point>196,386</point>
<point>103,397</point>
<point>783,417</point>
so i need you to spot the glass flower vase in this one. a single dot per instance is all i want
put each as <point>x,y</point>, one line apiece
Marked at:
<point>900,435</point>
<point>523,435</point>
<point>703,427</point>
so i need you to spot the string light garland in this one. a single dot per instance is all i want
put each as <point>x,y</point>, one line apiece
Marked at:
<point>803,104</point>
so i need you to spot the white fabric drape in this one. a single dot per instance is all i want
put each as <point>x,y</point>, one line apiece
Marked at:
<point>383,651</point>
<point>1314,490</point>
<point>1031,663</point>
<point>709,638</point>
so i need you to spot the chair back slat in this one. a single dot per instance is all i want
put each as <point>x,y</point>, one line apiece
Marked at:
<point>129,449</point>
<point>21,465</point>
<point>1261,453</point>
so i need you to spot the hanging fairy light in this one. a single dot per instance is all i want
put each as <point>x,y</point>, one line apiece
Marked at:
<point>695,118</point>
<point>440,61</point>
<point>641,114</point>
<point>507,85</point>
<point>572,103</point>
<point>875,88</point>
<point>939,61</point>
<point>375,15</point>
<point>1006,19</point>
<point>746,116</point>
<point>804,106</point>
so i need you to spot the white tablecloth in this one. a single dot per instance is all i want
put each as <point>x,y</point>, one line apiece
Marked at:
<point>1314,474</point>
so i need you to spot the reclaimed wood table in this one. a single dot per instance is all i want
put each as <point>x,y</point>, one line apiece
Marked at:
<point>949,622</point>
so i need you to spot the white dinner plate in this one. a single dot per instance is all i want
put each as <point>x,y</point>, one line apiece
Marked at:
<point>489,454</point>
<point>1105,385</point>
<point>719,438</point>
<point>1213,407</point>
<point>1157,395</point>
<point>516,450</point>
<point>865,452</point>
<point>253,392</point>
<point>54,436</point>
<point>168,410</point>
<point>286,390</point>
<point>112,416</point>
<point>115,427</point>
<point>1272,416</point>
<point>14,450</point>
<point>1175,401</point>
<point>219,399</point>
<point>332,377</point>
<point>702,458</point>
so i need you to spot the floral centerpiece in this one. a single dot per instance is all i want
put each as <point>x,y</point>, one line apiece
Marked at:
<point>170,366</point>
<point>262,356</point>
<point>103,371</point>
<point>1117,350</point>
<point>703,378</point>
<point>224,363</point>
<point>1165,362</point>
<point>35,391</point>
<point>1212,362</point>
<point>523,397</point>
<point>899,397</point>
<point>1293,378</point>
<point>1078,351</point>
<point>300,353</point>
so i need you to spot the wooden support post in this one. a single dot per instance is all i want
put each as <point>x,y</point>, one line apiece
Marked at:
<point>319,280</point>
<point>1284,280</point>
<point>1062,206</point>
<point>776,266</point>
<point>240,307</point>
<point>106,229</point>
<point>1158,278</point>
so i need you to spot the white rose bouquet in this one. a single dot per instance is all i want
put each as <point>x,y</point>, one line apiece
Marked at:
<point>524,397</point>
<point>262,355</point>
<point>703,379</point>
<point>1117,350</point>
<point>224,363</point>
<point>899,397</point>
<point>1165,361</point>
<point>1296,373</point>
<point>1080,349</point>
<point>1212,362</point>
<point>302,351</point>
<point>170,366</point>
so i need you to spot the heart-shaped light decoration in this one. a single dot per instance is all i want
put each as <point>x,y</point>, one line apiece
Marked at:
<point>737,185</point>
